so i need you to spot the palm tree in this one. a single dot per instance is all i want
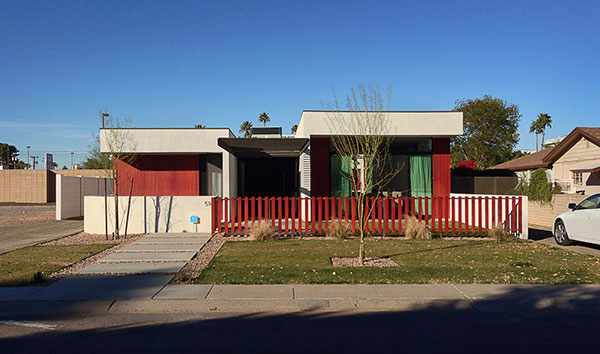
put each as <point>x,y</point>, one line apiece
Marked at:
<point>264,118</point>
<point>294,128</point>
<point>535,128</point>
<point>544,121</point>
<point>245,128</point>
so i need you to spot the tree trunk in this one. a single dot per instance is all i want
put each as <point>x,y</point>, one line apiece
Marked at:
<point>536,142</point>
<point>116,194</point>
<point>543,137</point>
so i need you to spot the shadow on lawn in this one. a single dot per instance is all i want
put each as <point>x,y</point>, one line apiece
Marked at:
<point>425,250</point>
<point>516,320</point>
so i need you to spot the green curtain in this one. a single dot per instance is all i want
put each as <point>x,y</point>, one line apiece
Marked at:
<point>340,185</point>
<point>420,177</point>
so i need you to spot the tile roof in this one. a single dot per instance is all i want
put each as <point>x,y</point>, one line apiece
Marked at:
<point>527,162</point>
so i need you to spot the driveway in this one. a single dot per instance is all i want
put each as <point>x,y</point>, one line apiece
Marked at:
<point>545,237</point>
<point>14,236</point>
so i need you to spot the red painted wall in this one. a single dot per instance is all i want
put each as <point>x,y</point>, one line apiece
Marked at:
<point>161,175</point>
<point>319,167</point>
<point>441,167</point>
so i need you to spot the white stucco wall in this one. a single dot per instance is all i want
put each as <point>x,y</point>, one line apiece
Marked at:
<point>71,190</point>
<point>167,141</point>
<point>407,124</point>
<point>178,141</point>
<point>149,214</point>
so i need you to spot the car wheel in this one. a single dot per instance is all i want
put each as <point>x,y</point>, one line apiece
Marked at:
<point>560,234</point>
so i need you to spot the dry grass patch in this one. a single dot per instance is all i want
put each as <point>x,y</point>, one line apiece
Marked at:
<point>261,231</point>
<point>339,230</point>
<point>416,229</point>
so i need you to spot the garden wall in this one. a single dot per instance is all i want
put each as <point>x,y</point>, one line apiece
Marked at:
<point>71,190</point>
<point>149,214</point>
<point>27,186</point>
<point>541,216</point>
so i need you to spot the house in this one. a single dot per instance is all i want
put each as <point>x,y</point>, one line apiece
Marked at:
<point>213,161</point>
<point>573,163</point>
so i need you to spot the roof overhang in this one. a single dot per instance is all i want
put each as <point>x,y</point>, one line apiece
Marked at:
<point>264,147</point>
<point>569,141</point>
<point>592,169</point>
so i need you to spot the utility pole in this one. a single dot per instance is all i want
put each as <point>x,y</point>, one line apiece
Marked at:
<point>28,165</point>
<point>72,159</point>
<point>104,115</point>
<point>34,162</point>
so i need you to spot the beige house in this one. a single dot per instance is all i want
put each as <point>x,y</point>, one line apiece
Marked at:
<point>574,163</point>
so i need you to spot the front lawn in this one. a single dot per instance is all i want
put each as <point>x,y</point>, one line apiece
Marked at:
<point>420,261</point>
<point>21,267</point>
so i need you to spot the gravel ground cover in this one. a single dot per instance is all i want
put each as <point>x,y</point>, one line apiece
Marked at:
<point>379,262</point>
<point>15,213</point>
<point>195,267</point>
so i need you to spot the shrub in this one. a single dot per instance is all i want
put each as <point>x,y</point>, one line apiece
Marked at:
<point>499,234</point>
<point>338,230</point>
<point>261,231</point>
<point>416,229</point>
<point>538,188</point>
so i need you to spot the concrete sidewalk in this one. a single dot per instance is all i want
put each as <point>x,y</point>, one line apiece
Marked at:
<point>147,293</point>
<point>17,236</point>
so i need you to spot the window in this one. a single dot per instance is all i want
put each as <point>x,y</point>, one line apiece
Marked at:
<point>592,202</point>
<point>578,178</point>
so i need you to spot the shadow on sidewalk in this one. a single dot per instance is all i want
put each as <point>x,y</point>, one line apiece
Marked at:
<point>516,320</point>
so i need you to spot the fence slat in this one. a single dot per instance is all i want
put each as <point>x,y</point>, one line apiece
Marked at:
<point>479,216</point>
<point>253,201</point>
<point>373,208</point>
<point>393,215</point>
<point>287,214</point>
<point>293,219</point>
<point>460,215</point>
<point>353,215</point>
<point>506,215</point>
<point>472,215</point>
<point>513,216</point>
<point>520,215</point>
<point>239,216</point>
<point>313,212</point>
<point>493,213</point>
<point>246,215</point>
<point>452,212</point>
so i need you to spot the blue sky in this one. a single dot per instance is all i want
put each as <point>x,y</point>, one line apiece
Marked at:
<point>177,63</point>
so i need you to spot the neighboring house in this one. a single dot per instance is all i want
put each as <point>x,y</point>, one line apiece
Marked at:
<point>213,161</point>
<point>574,163</point>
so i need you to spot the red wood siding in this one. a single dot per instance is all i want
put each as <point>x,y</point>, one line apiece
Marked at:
<point>441,167</point>
<point>319,166</point>
<point>161,175</point>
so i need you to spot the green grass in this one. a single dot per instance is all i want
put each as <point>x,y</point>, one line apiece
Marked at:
<point>420,261</point>
<point>28,265</point>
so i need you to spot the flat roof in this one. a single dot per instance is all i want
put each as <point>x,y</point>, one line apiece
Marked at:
<point>264,147</point>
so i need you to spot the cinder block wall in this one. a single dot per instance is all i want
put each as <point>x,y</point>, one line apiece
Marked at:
<point>542,215</point>
<point>27,186</point>
<point>83,173</point>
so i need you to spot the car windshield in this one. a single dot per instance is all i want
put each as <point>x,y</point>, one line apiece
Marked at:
<point>592,202</point>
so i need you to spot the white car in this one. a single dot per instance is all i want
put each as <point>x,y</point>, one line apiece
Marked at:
<point>580,223</point>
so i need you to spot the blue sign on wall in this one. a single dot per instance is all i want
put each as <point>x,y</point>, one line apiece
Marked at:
<point>194,219</point>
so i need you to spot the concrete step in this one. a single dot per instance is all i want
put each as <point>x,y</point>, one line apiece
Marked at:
<point>148,257</point>
<point>170,240</point>
<point>178,234</point>
<point>161,248</point>
<point>133,268</point>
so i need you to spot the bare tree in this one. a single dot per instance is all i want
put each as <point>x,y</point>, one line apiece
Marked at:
<point>117,141</point>
<point>359,137</point>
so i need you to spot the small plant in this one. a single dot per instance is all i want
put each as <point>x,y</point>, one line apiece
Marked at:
<point>539,189</point>
<point>416,229</point>
<point>261,231</point>
<point>499,234</point>
<point>338,230</point>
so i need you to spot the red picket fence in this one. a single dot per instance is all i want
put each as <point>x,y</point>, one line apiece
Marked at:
<point>384,215</point>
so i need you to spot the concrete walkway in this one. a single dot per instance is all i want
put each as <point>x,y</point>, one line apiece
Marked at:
<point>160,253</point>
<point>148,293</point>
